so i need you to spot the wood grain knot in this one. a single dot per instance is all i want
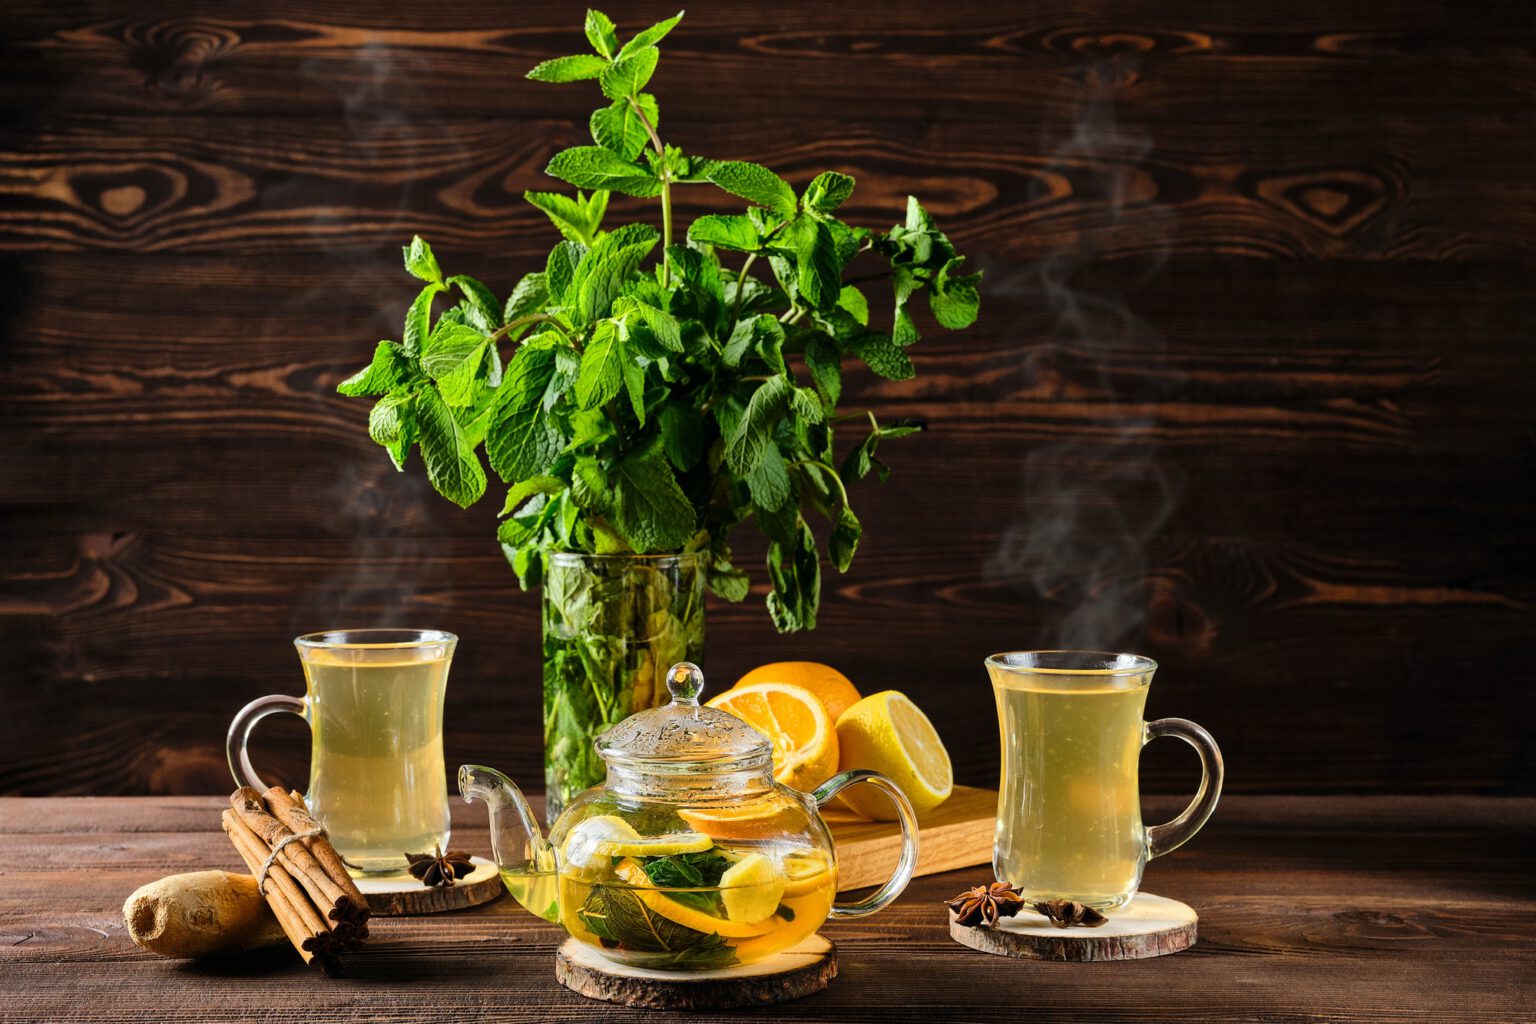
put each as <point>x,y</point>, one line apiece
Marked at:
<point>124,192</point>
<point>1126,42</point>
<point>179,60</point>
<point>1336,201</point>
<point>1174,621</point>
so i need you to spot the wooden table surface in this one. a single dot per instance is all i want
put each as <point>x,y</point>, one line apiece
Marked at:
<point>1312,908</point>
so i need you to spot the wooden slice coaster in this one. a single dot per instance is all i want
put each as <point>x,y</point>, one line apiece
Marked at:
<point>801,970</point>
<point>401,895</point>
<point>1147,926</point>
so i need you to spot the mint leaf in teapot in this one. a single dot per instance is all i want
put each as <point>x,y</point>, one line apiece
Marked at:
<point>618,915</point>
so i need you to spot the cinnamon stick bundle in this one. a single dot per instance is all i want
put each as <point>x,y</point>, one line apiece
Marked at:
<point>315,901</point>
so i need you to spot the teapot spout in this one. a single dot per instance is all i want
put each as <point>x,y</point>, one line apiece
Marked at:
<point>523,856</point>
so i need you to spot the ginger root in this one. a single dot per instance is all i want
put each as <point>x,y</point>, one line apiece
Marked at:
<point>203,913</point>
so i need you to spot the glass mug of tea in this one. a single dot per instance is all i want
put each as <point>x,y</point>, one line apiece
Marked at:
<point>1069,807</point>
<point>374,704</point>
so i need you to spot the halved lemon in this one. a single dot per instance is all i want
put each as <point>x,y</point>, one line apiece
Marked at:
<point>751,889</point>
<point>803,735</point>
<point>658,901</point>
<point>835,690</point>
<point>888,733</point>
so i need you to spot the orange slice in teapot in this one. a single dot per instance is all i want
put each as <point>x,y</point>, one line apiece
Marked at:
<point>762,819</point>
<point>660,903</point>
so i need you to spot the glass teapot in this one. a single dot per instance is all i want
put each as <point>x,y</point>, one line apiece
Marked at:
<point>690,856</point>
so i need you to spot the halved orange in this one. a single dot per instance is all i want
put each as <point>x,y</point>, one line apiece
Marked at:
<point>835,690</point>
<point>803,735</point>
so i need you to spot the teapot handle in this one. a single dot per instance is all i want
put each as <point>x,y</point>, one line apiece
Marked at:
<point>905,817</point>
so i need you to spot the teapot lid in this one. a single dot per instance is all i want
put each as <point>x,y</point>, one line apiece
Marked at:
<point>684,735</point>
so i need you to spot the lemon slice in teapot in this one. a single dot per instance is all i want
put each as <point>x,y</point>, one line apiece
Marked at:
<point>751,889</point>
<point>806,873</point>
<point>584,853</point>
<point>655,846</point>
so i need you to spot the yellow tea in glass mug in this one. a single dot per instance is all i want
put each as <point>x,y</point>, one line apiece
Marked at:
<point>1069,806</point>
<point>374,703</point>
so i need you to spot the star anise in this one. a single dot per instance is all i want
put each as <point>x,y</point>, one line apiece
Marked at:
<point>985,904</point>
<point>1063,913</point>
<point>439,868</point>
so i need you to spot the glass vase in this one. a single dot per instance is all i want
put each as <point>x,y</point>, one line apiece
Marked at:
<point>613,625</point>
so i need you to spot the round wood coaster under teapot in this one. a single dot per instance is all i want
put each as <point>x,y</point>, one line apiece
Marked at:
<point>1145,927</point>
<point>401,895</point>
<point>804,968</point>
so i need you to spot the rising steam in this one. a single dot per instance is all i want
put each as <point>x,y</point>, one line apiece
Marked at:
<point>1090,508</point>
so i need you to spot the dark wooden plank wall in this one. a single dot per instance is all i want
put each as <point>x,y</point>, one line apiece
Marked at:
<point>1252,392</point>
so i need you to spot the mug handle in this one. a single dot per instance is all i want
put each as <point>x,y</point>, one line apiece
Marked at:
<point>908,822</point>
<point>240,734</point>
<point>1166,838</point>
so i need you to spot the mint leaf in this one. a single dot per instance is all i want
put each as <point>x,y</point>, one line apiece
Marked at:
<point>682,434</point>
<point>826,192</point>
<point>953,297</point>
<point>820,272</point>
<point>600,33</point>
<point>756,184</point>
<point>619,127</point>
<point>728,583</point>
<point>521,443</point>
<point>663,325</point>
<point>569,216</point>
<point>569,69</point>
<point>525,489</point>
<point>649,507</point>
<point>861,461</point>
<point>597,167</point>
<point>600,376</point>
<point>634,384</point>
<point>651,36</point>
<point>420,261</point>
<point>388,368</point>
<point>453,358</point>
<point>795,571</point>
<point>768,481</point>
<point>744,448</point>
<point>739,343</point>
<point>853,300</point>
<point>826,365</point>
<point>628,76</point>
<point>600,277</point>
<point>480,299</point>
<point>529,296</point>
<point>589,485</point>
<point>844,538</point>
<point>885,357</point>
<point>726,232</point>
<point>388,415</point>
<point>805,403</point>
<point>762,336</point>
<point>560,271</point>
<point>452,465</point>
<point>418,319</point>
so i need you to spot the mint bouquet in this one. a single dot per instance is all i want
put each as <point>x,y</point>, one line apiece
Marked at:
<point>648,390</point>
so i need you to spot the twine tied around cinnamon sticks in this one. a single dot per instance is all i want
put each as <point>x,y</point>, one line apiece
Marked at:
<point>300,874</point>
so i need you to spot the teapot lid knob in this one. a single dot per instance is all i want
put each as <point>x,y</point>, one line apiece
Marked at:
<point>685,682</point>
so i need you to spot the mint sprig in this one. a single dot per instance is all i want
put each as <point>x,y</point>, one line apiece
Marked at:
<point>649,391</point>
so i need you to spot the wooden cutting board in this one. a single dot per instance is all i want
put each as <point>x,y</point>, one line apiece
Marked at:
<point>955,834</point>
